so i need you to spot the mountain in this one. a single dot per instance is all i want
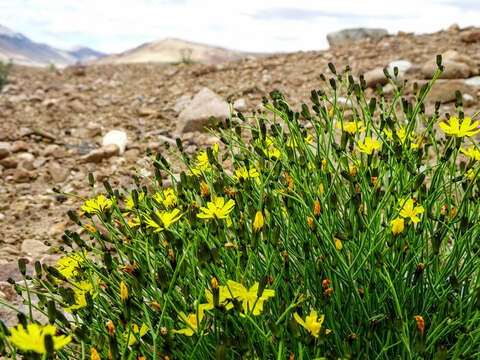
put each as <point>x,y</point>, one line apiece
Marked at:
<point>174,50</point>
<point>21,50</point>
<point>82,53</point>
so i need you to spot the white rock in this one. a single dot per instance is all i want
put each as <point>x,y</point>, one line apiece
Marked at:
<point>402,65</point>
<point>473,81</point>
<point>116,137</point>
<point>468,99</point>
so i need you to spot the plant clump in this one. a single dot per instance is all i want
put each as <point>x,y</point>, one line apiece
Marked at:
<point>309,235</point>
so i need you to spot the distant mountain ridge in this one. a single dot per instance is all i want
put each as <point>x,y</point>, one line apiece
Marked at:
<point>21,50</point>
<point>173,50</point>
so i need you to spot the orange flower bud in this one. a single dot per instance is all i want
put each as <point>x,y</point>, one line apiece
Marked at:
<point>374,180</point>
<point>128,269</point>
<point>204,189</point>
<point>156,305</point>
<point>324,164</point>
<point>325,283</point>
<point>230,245</point>
<point>310,222</point>
<point>89,227</point>
<point>328,291</point>
<point>123,291</point>
<point>172,255</point>
<point>317,209</point>
<point>214,283</point>
<point>110,327</point>
<point>420,324</point>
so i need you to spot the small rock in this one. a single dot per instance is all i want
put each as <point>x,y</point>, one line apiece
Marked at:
<point>49,150</point>
<point>453,28</point>
<point>58,172</point>
<point>9,163</point>
<point>402,65</point>
<point>58,228</point>
<point>144,111</point>
<point>470,36</point>
<point>2,217</point>
<point>131,155</point>
<point>204,105</point>
<point>5,149</point>
<point>77,106</point>
<point>19,146</point>
<point>374,77</point>
<point>240,105</point>
<point>104,152</point>
<point>116,137</point>
<point>10,270</point>
<point>164,139</point>
<point>181,103</point>
<point>349,35</point>
<point>473,81</point>
<point>39,162</point>
<point>85,147</point>
<point>34,248</point>
<point>468,100</point>
<point>21,175</point>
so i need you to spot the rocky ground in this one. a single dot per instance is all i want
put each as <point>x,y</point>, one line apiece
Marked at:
<point>53,122</point>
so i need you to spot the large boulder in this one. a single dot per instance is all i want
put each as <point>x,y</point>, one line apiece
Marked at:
<point>349,35</point>
<point>198,112</point>
<point>445,90</point>
<point>455,65</point>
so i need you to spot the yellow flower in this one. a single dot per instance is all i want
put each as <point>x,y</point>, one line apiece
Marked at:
<point>249,299</point>
<point>470,174</point>
<point>397,225</point>
<point>454,127</point>
<point>223,299</point>
<point>192,321</point>
<point>168,197</point>
<point>258,222</point>
<point>33,338</point>
<point>338,243</point>
<point>293,143</point>
<point>98,206</point>
<point>351,126</point>
<point>166,218</point>
<point>370,145</point>
<point>68,265</point>
<point>129,204</point>
<point>81,288</point>
<point>408,209</point>
<point>402,135</point>
<point>270,150</point>
<point>95,355</point>
<point>244,174</point>
<point>133,335</point>
<point>471,152</point>
<point>218,209</point>
<point>312,323</point>
<point>134,222</point>
<point>202,158</point>
<point>123,291</point>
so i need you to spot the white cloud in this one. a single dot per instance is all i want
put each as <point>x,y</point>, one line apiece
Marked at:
<point>250,25</point>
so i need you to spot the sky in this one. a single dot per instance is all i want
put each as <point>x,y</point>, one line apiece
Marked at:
<point>250,25</point>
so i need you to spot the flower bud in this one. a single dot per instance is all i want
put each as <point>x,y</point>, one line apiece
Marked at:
<point>258,222</point>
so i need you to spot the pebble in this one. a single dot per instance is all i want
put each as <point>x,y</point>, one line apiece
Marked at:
<point>116,137</point>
